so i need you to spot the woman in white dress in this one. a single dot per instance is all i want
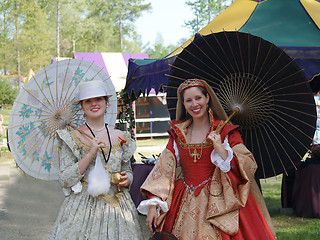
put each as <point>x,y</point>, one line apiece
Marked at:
<point>96,205</point>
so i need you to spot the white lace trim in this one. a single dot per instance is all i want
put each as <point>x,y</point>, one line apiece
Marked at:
<point>77,188</point>
<point>217,160</point>
<point>176,153</point>
<point>144,205</point>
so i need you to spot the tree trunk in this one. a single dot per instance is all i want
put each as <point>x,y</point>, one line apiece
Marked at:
<point>58,29</point>
<point>120,30</point>
<point>17,46</point>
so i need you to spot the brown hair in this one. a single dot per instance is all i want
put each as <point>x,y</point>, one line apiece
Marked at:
<point>203,90</point>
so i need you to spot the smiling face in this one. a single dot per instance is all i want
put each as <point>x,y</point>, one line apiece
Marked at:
<point>195,102</point>
<point>94,107</point>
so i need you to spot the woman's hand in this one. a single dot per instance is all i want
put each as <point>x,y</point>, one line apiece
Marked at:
<point>217,144</point>
<point>85,161</point>
<point>125,181</point>
<point>215,138</point>
<point>152,217</point>
<point>96,143</point>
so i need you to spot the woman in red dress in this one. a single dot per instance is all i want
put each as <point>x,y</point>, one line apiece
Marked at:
<point>215,195</point>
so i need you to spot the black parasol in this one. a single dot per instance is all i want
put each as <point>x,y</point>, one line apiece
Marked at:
<point>278,113</point>
<point>315,84</point>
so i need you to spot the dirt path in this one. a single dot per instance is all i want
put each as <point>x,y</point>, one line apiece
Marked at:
<point>28,207</point>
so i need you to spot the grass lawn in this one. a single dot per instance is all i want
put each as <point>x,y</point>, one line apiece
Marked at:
<point>288,226</point>
<point>153,142</point>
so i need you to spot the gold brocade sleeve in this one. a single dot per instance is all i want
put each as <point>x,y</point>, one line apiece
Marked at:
<point>161,179</point>
<point>224,202</point>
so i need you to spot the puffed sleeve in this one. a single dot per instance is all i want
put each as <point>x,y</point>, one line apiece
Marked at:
<point>128,148</point>
<point>69,169</point>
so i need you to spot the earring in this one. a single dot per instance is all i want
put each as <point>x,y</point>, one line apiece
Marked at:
<point>84,115</point>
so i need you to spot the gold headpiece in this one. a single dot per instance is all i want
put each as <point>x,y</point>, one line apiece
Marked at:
<point>191,83</point>
<point>214,102</point>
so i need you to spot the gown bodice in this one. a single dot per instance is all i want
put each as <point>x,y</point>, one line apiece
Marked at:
<point>196,172</point>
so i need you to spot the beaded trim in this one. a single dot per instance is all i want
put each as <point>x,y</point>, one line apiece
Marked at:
<point>190,83</point>
<point>192,188</point>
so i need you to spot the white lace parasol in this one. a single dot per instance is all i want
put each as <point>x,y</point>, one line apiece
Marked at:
<point>46,104</point>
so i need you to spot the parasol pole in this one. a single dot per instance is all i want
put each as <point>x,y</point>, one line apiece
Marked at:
<point>236,110</point>
<point>78,129</point>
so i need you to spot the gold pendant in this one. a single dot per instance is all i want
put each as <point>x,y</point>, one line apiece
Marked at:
<point>195,155</point>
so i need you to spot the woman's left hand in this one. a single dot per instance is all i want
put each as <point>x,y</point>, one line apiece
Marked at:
<point>217,144</point>
<point>215,138</point>
<point>125,181</point>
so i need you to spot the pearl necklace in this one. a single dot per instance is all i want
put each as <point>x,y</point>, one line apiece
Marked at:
<point>96,130</point>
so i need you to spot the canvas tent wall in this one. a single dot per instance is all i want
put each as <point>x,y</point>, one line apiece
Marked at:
<point>147,74</point>
<point>114,64</point>
<point>292,25</point>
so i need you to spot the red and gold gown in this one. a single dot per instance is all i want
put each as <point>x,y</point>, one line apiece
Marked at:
<point>205,202</point>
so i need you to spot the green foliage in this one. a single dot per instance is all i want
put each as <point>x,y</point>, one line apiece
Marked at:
<point>29,30</point>
<point>32,56</point>
<point>7,93</point>
<point>159,50</point>
<point>205,11</point>
<point>4,149</point>
<point>127,116</point>
<point>6,109</point>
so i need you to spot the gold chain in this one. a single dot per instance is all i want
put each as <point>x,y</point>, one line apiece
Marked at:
<point>195,155</point>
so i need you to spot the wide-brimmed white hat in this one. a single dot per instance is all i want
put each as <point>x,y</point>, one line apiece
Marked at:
<point>91,89</point>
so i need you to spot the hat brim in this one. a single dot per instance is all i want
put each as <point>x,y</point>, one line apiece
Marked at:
<point>92,96</point>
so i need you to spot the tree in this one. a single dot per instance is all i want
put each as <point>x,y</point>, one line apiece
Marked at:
<point>7,93</point>
<point>126,12</point>
<point>33,32</point>
<point>204,11</point>
<point>5,31</point>
<point>97,28</point>
<point>26,36</point>
<point>33,56</point>
<point>159,50</point>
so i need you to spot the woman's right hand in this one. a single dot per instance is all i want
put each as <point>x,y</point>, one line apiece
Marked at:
<point>152,217</point>
<point>96,144</point>
<point>84,162</point>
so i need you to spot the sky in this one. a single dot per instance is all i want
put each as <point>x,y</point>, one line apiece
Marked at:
<point>167,17</point>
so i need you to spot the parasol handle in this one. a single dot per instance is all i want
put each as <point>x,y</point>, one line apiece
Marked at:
<point>78,129</point>
<point>223,123</point>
